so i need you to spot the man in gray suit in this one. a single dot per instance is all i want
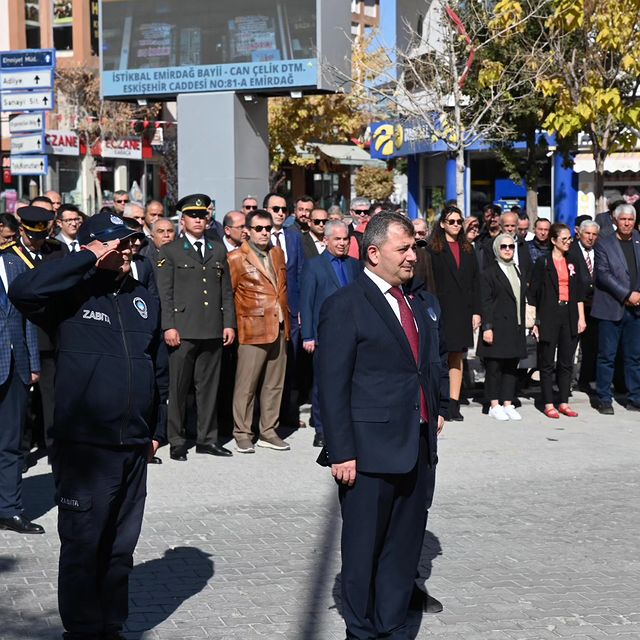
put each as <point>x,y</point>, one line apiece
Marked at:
<point>616,304</point>
<point>198,319</point>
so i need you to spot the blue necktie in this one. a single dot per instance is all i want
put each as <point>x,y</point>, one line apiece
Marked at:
<point>4,299</point>
<point>342,276</point>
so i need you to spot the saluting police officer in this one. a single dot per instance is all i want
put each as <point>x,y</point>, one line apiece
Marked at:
<point>37,249</point>
<point>111,367</point>
<point>198,319</point>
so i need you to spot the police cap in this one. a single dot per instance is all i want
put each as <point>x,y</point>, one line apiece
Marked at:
<point>195,206</point>
<point>105,227</point>
<point>35,221</point>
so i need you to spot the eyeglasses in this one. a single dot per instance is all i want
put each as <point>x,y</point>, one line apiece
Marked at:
<point>72,220</point>
<point>122,201</point>
<point>250,207</point>
<point>454,222</point>
<point>507,247</point>
<point>323,221</point>
<point>260,228</point>
<point>565,240</point>
<point>279,209</point>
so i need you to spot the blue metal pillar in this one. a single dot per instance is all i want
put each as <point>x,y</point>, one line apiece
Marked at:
<point>413,186</point>
<point>565,192</point>
<point>450,179</point>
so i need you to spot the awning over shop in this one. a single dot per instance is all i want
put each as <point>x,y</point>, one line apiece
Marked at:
<point>349,155</point>
<point>630,161</point>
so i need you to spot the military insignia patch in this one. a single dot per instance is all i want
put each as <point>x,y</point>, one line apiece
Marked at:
<point>116,220</point>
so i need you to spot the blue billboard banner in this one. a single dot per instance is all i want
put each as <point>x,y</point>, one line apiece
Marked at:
<point>27,59</point>
<point>244,76</point>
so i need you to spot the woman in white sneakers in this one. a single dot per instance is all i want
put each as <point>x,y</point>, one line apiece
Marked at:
<point>502,338</point>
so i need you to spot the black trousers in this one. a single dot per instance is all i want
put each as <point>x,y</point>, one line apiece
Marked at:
<point>100,493</point>
<point>194,362</point>
<point>383,522</point>
<point>13,407</point>
<point>42,401</point>
<point>562,340</point>
<point>500,378</point>
<point>588,351</point>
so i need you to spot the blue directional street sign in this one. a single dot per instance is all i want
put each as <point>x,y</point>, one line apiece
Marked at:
<point>29,165</point>
<point>27,58</point>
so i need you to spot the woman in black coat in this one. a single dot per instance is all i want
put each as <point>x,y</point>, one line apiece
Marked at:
<point>557,294</point>
<point>502,341</point>
<point>455,270</point>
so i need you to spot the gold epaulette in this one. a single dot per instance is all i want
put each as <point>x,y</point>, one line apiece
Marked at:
<point>22,257</point>
<point>7,245</point>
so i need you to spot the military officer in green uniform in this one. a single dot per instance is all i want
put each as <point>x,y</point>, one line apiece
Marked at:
<point>198,320</point>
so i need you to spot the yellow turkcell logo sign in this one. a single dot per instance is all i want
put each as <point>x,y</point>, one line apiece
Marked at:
<point>388,138</point>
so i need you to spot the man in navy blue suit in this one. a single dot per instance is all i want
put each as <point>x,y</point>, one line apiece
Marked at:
<point>19,367</point>
<point>383,386</point>
<point>616,304</point>
<point>290,241</point>
<point>322,276</point>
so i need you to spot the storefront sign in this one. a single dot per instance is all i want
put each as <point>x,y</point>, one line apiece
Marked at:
<point>63,143</point>
<point>124,148</point>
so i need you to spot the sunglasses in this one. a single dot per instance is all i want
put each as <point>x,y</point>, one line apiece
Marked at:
<point>361,212</point>
<point>279,209</point>
<point>323,221</point>
<point>250,207</point>
<point>505,247</point>
<point>260,228</point>
<point>122,201</point>
<point>454,222</point>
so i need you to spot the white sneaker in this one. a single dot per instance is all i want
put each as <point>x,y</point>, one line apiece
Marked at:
<point>511,412</point>
<point>498,413</point>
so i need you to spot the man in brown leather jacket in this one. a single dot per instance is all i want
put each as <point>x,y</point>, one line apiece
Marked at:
<point>259,281</point>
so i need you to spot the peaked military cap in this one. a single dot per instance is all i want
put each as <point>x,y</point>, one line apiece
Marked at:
<point>105,227</point>
<point>35,221</point>
<point>195,205</point>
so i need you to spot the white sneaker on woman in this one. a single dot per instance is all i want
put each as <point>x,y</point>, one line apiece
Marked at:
<point>498,413</point>
<point>511,412</point>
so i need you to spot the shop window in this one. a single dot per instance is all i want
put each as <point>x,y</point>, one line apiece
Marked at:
<point>32,23</point>
<point>62,25</point>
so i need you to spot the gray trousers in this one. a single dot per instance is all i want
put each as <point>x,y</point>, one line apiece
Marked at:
<point>259,363</point>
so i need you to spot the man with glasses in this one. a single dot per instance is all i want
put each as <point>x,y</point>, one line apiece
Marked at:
<point>360,213</point>
<point>259,281</point>
<point>235,232</point>
<point>313,242</point>
<point>249,204</point>
<point>198,320</point>
<point>68,219</point>
<point>290,241</point>
<point>120,199</point>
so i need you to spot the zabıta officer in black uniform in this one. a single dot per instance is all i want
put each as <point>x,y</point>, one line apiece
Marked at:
<point>111,379</point>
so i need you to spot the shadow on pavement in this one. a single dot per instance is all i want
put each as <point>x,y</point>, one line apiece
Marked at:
<point>37,494</point>
<point>431,549</point>
<point>158,587</point>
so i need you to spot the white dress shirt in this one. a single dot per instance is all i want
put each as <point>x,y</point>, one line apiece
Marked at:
<point>320,245</point>
<point>385,287</point>
<point>193,240</point>
<point>230,247</point>
<point>588,252</point>
<point>69,242</point>
<point>3,274</point>
<point>283,242</point>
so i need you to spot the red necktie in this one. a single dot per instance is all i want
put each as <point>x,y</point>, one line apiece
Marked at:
<point>409,325</point>
<point>589,264</point>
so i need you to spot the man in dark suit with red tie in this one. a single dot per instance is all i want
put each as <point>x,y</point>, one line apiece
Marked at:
<point>383,388</point>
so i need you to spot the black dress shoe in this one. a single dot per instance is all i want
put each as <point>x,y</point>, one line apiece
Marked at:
<point>20,524</point>
<point>605,409</point>
<point>318,440</point>
<point>213,450</point>
<point>421,601</point>
<point>632,406</point>
<point>155,460</point>
<point>178,453</point>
